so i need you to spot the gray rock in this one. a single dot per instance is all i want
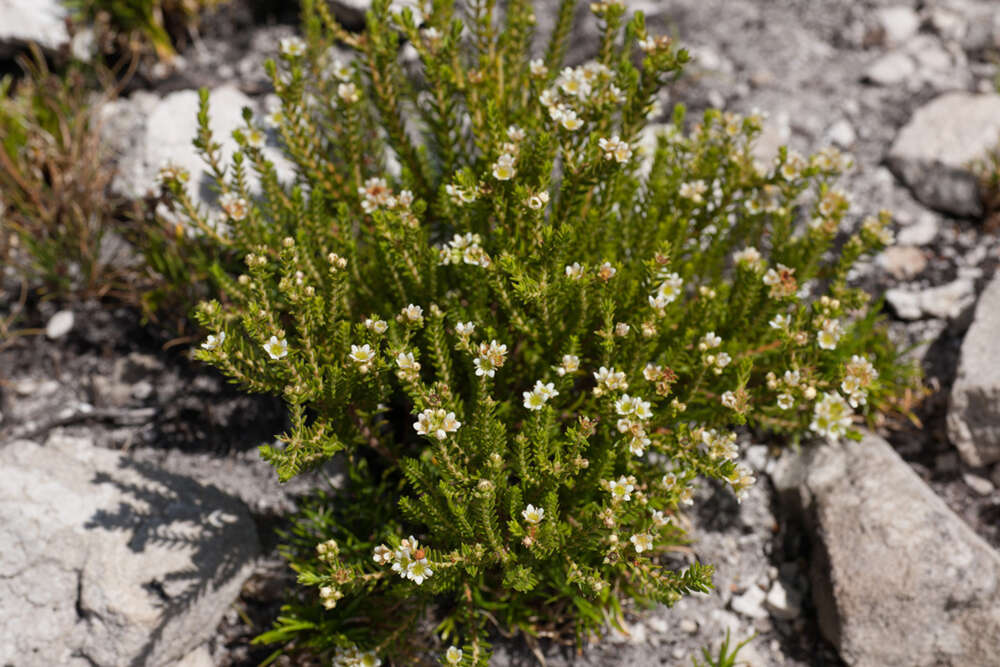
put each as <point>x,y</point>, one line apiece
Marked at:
<point>950,300</point>
<point>783,601</point>
<point>974,405</point>
<point>891,69</point>
<point>902,261</point>
<point>897,578</point>
<point>932,153</point>
<point>110,562</point>
<point>59,324</point>
<point>921,231</point>
<point>200,657</point>
<point>750,603</point>
<point>42,22</point>
<point>775,133</point>
<point>980,485</point>
<point>897,23</point>
<point>148,133</point>
<point>905,304</point>
<point>842,134</point>
<point>947,23</point>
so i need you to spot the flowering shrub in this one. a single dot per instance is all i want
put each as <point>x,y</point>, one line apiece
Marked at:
<point>525,331</point>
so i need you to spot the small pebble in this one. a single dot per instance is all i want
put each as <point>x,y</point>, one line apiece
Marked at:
<point>751,603</point>
<point>689,626</point>
<point>59,324</point>
<point>783,602</point>
<point>980,485</point>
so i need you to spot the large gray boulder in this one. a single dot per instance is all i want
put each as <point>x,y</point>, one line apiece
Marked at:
<point>897,577</point>
<point>974,405</point>
<point>147,132</point>
<point>933,151</point>
<point>42,22</point>
<point>106,561</point>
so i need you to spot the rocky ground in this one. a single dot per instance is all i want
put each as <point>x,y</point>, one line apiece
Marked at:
<point>882,553</point>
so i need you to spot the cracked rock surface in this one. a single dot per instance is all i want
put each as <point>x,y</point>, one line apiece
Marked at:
<point>897,577</point>
<point>107,561</point>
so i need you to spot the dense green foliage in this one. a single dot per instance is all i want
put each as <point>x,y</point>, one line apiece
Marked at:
<point>525,327</point>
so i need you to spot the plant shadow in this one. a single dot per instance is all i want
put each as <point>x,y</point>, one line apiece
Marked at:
<point>163,512</point>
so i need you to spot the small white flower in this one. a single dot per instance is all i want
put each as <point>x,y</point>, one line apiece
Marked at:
<point>533,515</point>
<point>515,134</point>
<point>382,555</point>
<point>341,70</point>
<point>709,341</point>
<point>651,372</point>
<point>336,261</point>
<point>829,334</point>
<point>642,409</point>
<point>538,202</point>
<point>621,489</point>
<point>465,328</point>
<point>459,195</point>
<point>615,149</point>
<point>378,326</point>
<point>570,121</point>
<point>491,357</point>
<point>407,362</point>
<point>484,367</point>
<point>293,47</point>
<point>362,355</point>
<point>348,92</point>
<point>453,655</point>
<point>670,288</point>
<point>786,401</point>
<point>503,168</point>
<point>780,322</point>
<point>329,596</point>
<point>831,416</point>
<point>693,191</point>
<point>548,390</point>
<point>533,400</point>
<point>413,313</point>
<point>234,206</point>
<point>574,271</point>
<point>255,138</point>
<point>659,520</point>
<point>722,359</point>
<point>729,400</point>
<point>436,422</point>
<point>642,542</point>
<point>606,271</point>
<point>622,329</point>
<point>418,570</point>
<point>638,444</point>
<point>610,379</point>
<point>749,257</point>
<point>212,341</point>
<point>570,364</point>
<point>625,405</point>
<point>275,348</point>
